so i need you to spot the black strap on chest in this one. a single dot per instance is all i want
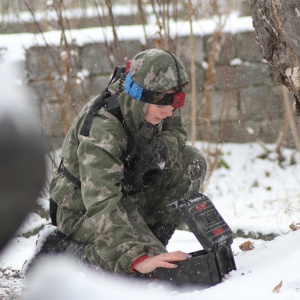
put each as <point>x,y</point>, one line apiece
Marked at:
<point>110,103</point>
<point>107,100</point>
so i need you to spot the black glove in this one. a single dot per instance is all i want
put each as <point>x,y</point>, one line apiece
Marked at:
<point>141,166</point>
<point>160,152</point>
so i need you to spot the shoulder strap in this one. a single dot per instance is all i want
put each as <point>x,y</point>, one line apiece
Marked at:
<point>107,100</point>
<point>111,104</point>
<point>88,120</point>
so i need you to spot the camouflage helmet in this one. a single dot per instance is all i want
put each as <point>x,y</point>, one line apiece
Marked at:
<point>153,72</point>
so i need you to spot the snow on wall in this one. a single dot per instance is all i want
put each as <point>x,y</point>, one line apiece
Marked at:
<point>246,98</point>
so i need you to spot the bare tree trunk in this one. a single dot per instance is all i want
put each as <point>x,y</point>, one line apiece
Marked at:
<point>277,24</point>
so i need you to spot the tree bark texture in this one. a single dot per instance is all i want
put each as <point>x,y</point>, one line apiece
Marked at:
<point>277,27</point>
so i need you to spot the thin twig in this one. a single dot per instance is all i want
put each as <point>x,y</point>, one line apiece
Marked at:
<point>193,75</point>
<point>290,117</point>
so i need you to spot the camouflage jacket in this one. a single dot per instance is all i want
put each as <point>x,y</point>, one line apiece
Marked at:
<point>97,161</point>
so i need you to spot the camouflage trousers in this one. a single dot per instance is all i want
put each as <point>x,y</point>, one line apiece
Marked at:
<point>149,211</point>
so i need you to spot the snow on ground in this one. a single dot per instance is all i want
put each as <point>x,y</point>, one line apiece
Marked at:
<point>259,271</point>
<point>253,194</point>
<point>257,194</point>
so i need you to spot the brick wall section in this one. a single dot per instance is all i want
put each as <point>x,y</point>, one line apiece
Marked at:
<point>246,104</point>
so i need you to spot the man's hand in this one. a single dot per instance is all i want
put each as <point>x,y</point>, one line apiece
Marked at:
<point>162,260</point>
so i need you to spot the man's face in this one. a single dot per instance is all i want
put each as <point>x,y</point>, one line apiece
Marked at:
<point>156,113</point>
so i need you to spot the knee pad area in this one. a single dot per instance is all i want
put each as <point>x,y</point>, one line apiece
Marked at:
<point>195,163</point>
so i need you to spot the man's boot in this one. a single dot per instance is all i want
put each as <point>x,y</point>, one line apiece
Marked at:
<point>52,241</point>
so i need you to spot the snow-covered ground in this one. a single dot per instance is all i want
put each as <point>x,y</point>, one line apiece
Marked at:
<point>253,194</point>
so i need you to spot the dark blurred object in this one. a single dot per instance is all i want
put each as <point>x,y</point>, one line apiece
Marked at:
<point>22,173</point>
<point>141,167</point>
<point>51,241</point>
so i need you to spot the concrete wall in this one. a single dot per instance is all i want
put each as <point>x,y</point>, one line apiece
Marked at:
<point>246,103</point>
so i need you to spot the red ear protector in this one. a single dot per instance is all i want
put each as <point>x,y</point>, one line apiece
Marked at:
<point>178,99</point>
<point>127,67</point>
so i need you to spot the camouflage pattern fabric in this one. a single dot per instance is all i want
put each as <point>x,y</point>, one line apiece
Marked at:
<point>115,227</point>
<point>157,71</point>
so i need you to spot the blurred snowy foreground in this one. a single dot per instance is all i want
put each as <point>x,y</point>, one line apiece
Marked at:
<point>255,196</point>
<point>259,271</point>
